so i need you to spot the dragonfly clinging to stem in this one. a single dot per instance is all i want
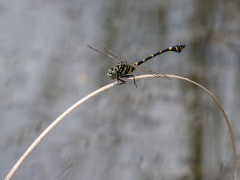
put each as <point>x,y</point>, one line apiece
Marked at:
<point>124,68</point>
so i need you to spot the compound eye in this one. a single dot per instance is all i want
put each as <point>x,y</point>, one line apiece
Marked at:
<point>112,74</point>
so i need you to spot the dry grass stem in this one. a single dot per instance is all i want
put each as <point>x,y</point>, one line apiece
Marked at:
<point>45,132</point>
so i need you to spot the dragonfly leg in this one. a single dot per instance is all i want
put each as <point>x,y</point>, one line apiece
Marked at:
<point>127,76</point>
<point>122,81</point>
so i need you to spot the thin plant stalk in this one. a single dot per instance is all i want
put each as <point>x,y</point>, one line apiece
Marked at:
<point>49,128</point>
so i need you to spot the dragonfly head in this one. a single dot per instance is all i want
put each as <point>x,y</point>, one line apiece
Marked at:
<point>112,74</point>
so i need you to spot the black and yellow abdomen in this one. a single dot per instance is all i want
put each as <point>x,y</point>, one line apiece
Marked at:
<point>177,49</point>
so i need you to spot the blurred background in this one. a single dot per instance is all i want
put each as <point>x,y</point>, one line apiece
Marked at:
<point>162,130</point>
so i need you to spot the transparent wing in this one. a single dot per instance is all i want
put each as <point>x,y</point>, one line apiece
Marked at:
<point>108,53</point>
<point>116,57</point>
<point>152,72</point>
<point>112,54</point>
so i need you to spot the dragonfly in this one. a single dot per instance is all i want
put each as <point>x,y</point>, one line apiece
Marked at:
<point>124,68</point>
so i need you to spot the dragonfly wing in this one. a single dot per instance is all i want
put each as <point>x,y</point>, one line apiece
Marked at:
<point>119,58</point>
<point>153,73</point>
<point>106,54</point>
<point>150,71</point>
<point>112,54</point>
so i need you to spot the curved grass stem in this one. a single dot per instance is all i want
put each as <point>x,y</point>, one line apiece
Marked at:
<point>91,95</point>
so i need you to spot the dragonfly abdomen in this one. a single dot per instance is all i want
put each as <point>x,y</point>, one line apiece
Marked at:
<point>177,49</point>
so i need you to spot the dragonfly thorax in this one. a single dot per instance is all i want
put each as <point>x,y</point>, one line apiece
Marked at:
<point>112,73</point>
